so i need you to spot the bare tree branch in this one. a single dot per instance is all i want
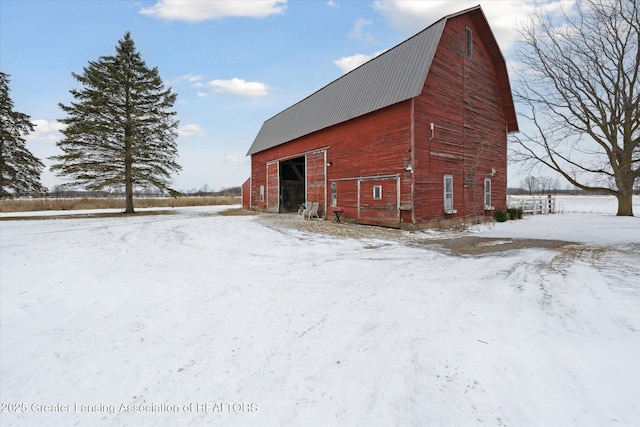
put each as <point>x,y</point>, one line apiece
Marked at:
<point>579,89</point>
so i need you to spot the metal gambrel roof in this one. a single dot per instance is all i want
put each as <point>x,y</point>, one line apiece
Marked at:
<point>394,76</point>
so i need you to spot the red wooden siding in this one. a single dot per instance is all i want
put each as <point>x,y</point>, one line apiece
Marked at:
<point>372,145</point>
<point>273,187</point>
<point>462,99</point>
<point>356,197</point>
<point>347,195</point>
<point>384,211</point>
<point>258,178</point>
<point>315,177</point>
<point>246,194</point>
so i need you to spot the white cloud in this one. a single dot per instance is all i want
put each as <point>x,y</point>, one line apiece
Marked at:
<point>331,3</point>
<point>409,16</point>
<point>191,78</point>
<point>239,87</point>
<point>236,158</point>
<point>44,126</point>
<point>45,131</point>
<point>202,10</point>
<point>349,63</point>
<point>358,32</point>
<point>189,130</point>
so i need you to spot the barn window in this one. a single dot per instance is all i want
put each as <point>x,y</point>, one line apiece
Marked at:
<point>448,194</point>
<point>487,194</point>
<point>377,192</point>
<point>262,193</point>
<point>334,194</point>
<point>468,41</point>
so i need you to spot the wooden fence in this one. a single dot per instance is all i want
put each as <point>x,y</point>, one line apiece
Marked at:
<point>533,204</point>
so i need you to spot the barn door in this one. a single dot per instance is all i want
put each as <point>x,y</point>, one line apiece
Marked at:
<point>378,202</point>
<point>273,187</point>
<point>316,181</point>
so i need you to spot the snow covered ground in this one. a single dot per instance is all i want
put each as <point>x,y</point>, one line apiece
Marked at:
<point>196,318</point>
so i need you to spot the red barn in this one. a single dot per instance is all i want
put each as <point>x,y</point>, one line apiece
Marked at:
<point>415,137</point>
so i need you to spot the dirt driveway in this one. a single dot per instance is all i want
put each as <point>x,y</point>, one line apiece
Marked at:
<point>458,242</point>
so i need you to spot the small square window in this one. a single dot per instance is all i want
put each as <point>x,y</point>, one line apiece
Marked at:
<point>377,192</point>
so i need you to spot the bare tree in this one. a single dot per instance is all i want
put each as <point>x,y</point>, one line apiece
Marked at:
<point>530,184</point>
<point>546,183</point>
<point>580,87</point>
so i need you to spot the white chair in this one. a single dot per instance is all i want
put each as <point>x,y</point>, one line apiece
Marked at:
<point>313,211</point>
<point>304,211</point>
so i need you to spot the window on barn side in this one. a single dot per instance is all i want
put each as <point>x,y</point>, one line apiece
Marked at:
<point>468,41</point>
<point>487,194</point>
<point>448,194</point>
<point>377,192</point>
<point>334,194</point>
<point>262,193</point>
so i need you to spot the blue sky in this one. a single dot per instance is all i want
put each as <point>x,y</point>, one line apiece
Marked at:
<point>233,64</point>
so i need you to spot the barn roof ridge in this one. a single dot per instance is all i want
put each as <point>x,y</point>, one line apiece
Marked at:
<point>351,95</point>
<point>356,69</point>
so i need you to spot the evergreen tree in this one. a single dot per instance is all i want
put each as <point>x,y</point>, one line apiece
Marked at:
<point>120,130</point>
<point>19,169</point>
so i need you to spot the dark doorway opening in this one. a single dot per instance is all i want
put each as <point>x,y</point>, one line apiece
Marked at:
<point>292,184</point>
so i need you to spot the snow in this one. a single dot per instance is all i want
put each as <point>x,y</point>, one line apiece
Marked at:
<point>195,318</point>
<point>576,223</point>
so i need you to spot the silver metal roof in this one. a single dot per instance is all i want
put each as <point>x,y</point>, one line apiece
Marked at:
<point>394,76</point>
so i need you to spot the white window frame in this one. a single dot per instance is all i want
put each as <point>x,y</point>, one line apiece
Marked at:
<point>447,182</point>
<point>262,193</point>
<point>334,194</point>
<point>487,194</point>
<point>377,192</point>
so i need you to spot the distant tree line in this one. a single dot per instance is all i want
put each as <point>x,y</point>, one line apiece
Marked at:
<point>547,185</point>
<point>207,191</point>
<point>63,191</point>
<point>517,191</point>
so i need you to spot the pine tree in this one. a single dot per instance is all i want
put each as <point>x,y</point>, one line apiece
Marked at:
<point>19,169</point>
<point>120,130</point>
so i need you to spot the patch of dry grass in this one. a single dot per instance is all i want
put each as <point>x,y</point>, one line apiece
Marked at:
<point>46,204</point>
<point>239,212</point>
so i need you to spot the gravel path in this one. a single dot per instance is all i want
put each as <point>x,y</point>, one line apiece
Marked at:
<point>456,241</point>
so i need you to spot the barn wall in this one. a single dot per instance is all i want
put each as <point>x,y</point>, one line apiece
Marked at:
<point>258,178</point>
<point>316,182</point>
<point>381,211</point>
<point>246,194</point>
<point>460,96</point>
<point>462,99</point>
<point>368,146</point>
<point>273,187</point>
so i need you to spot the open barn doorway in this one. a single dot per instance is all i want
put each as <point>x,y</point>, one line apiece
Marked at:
<point>292,184</point>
